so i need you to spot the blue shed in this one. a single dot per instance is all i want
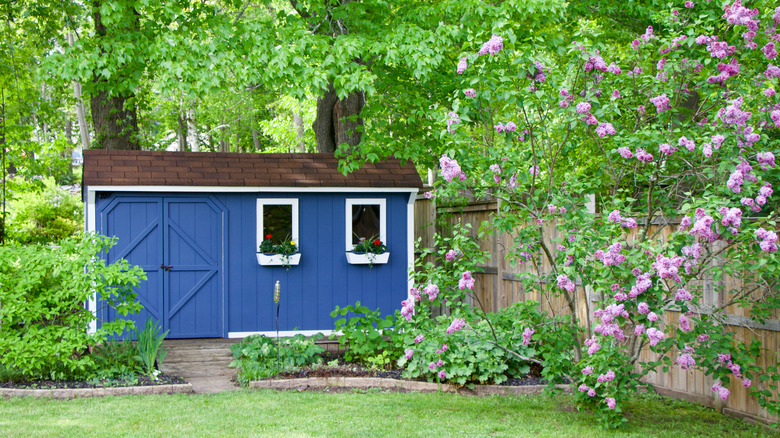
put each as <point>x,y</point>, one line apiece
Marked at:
<point>194,222</point>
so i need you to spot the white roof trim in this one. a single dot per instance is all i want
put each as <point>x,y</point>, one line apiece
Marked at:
<point>236,189</point>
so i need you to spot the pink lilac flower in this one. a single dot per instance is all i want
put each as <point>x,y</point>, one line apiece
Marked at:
<point>766,159</point>
<point>775,116</point>
<point>769,92</point>
<point>688,144</point>
<point>661,103</point>
<point>414,293</point>
<point>430,194</point>
<point>685,324</point>
<point>706,149</point>
<point>639,329</point>
<point>453,254</point>
<point>724,357</point>
<point>686,361</point>
<point>527,335</point>
<point>703,228</point>
<point>466,281</point>
<point>432,365</point>
<point>442,374</point>
<point>668,267</point>
<point>450,168</point>
<point>772,71</point>
<point>590,119</point>
<point>731,217</point>
<point>643,308</point>
<point>614,69</point>
<point>583,108</point>
<point>625,152</point>
<point>513,180</point>
<point>718,140</point>
<point>720,49</point>
<point>654,335</point>
<point>583,388</point>
<point>643,155</point>
<point>457,324</point>
<point>419,339</point>
<point>768,239</point>
<point>470,92</point>
<point>736,369</point>
<point>652,316</point>
<point>407,311</point>
<point>409,353</point>
<point>769,51</point>
<point>746,382</point>
<point>591,392</point>
<point>452,121</point>
<point>492,46</point>
<point>462,65</point>
<point>611,403</point>
<point>510,127</point>
<point>735,181</point>
<point>703,338</point>
<point>534,170</point>
<point>733,114</point>
<point>605,129</point>
<point>683,295</point>
<point>722,392</point>
<point>565,283</point>
<point>440,363</point>
<point>616,94</point>
<point>689,4</point>
<point>587,370</point>
<point>667,149</point>
<point>608,377</point>
<point>432,291</point>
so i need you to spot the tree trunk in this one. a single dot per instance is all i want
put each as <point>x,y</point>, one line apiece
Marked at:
<point>192,130</point>
<point>81,113</point>
<point>114,116</point>
<point>338,121</point>
<point>181,131</point>
<point>298,122</point>
<point>256,140</point>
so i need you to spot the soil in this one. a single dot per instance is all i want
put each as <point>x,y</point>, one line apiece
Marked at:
<point>162,379</point>
<point>347,369</point>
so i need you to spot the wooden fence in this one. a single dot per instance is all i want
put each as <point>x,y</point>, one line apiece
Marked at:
<point>498,286</point>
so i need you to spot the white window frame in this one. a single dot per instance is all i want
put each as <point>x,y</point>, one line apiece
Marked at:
<point>261,202</point>
<point>381,202</point>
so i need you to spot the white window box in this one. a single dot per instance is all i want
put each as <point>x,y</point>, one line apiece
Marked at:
<point>367,258</point>
<point>278,259</point>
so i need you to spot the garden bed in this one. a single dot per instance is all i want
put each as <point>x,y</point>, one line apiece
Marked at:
<point>67,389</point>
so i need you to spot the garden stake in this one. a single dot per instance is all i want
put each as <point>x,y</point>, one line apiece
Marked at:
<point>277,289</point>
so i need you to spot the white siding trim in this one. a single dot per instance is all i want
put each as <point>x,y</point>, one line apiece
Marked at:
<point>381,202</point>
<point>89,217</point>
<point>277,201</point>
<point>284,333</point>
<point>234,189</point>
<point>410,241</point>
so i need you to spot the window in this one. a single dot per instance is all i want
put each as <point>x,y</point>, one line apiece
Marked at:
<point>279,218</point>
<point>365,218</point>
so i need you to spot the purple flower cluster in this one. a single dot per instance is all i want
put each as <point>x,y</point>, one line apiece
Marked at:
<point>768,240</point>
<point>683,295</point>
<point>738,15</point>
<point>528,333</point>
<point>565,283</point>
<point>726,72</point>
<point>608,377</point>
<point>769,51</point>
<point>766,159</point>
<point>733,114</point>
<point>667,149</point>
<point>661,103</point>
<point>409,353</point>
<point>593,345</point>
<point>605,129</point>
<point>722,392</point>
<point>612,256</point>
<point>654,335</point>
<point>466,281</point>
<point>492,46</point>
<point>625,152</point>
<point>703,226</point>
<point>457,324</point>
<point>432,291</point>
<point>470,92</point>
<point>450,169</point>
<point>643,155</point>
<point>643,283</point>
<point>453,254</point>
<point>668,267</point>
<point>452,121</point>
<point>686,361</point>
<point>685,324</point>
<point>462,65</point>
<point>407,309</point>
<point>611,403</point>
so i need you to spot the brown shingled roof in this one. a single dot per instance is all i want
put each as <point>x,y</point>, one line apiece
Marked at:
<point>159,168</point>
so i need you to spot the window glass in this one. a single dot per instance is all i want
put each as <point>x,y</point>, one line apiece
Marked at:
<point>365,222</point>
<point>278,222</point>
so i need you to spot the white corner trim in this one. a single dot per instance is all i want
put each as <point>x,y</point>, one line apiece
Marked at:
<point>277,201</point>
<point>235,189</point>
<point>410,241</point>
<point>381,202</point>
<point>283,333</point>
<point>89,217</point>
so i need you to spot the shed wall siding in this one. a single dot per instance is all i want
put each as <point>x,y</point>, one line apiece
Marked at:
<point>322,280</point>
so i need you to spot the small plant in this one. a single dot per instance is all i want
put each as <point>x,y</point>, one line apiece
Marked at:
<point>372,245</point>
<point>259,357</point>
<point>365,337</point>
<point>150,347</point>
<point>267,245</point>
<point>114,359</point>
<point>285,247</point>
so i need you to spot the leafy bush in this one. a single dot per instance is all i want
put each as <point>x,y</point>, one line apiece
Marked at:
<point>43,289</point>
<point>258,356</point>
<point>44,214</point>
<point>116,360</point>
<point>366,336</point>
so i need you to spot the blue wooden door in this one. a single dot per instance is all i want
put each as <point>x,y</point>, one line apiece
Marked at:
<point>179,243</point>
<point>192,254</point>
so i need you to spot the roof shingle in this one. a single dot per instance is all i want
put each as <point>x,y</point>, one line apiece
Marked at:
<point>145,168</point>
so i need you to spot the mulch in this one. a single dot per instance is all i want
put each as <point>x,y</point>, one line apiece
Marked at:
<point>162,379</point>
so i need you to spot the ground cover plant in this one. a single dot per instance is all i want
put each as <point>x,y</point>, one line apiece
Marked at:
<point>258,356</point>
<point>676,130</point>
<point>355,414</point>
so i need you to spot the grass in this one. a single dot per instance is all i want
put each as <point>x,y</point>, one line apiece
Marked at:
<point>357,414</point>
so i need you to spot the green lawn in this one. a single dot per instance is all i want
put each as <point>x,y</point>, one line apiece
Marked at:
<point>372,414</point>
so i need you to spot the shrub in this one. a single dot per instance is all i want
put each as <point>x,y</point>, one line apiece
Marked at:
<point>258,356</point>
<point>43,291</point>
<point>45,214</point>
<point>366,336</point>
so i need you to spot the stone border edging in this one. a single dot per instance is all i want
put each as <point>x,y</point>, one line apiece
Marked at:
<point>65,394</point>
<point>376,382</point>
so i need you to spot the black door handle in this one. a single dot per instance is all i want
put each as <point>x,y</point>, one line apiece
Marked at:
<point>166,267</point>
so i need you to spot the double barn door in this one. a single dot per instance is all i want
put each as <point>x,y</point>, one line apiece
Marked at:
<point>179,243</point>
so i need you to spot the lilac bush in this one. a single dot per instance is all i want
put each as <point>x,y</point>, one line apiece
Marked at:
<point>675,137</point>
